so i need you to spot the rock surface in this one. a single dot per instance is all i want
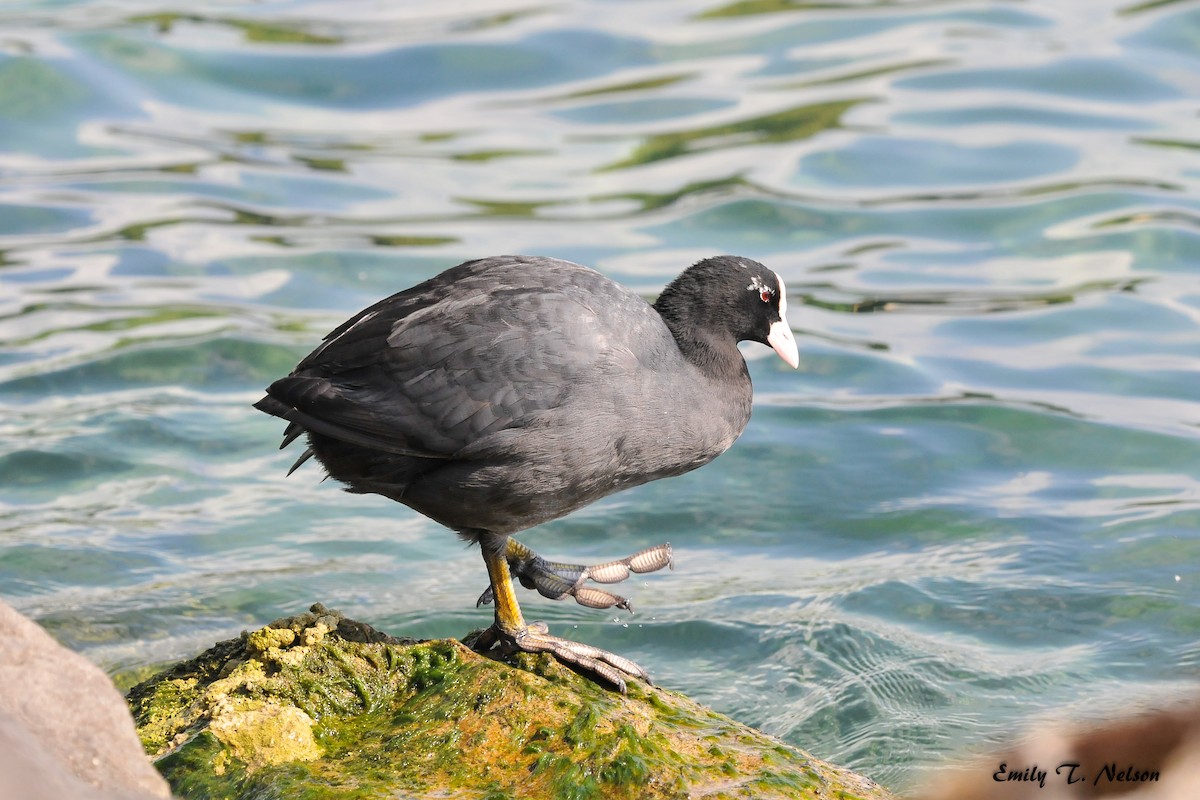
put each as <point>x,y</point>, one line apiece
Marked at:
<point>65,731</point>
<point>317,706</point>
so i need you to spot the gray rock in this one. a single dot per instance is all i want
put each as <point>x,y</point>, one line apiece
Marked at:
<point>65,731</point>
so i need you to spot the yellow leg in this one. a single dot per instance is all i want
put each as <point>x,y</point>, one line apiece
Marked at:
<point>508,613</point>
<point>558,580</point>
<point>517,551</point>
<point>511,631</point>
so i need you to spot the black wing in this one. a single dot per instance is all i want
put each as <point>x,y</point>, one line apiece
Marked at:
<point>483,347</point>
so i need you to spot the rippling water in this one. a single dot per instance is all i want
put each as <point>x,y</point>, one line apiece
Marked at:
<point>978,498</point>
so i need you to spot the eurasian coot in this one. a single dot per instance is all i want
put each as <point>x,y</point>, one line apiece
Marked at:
<point>511,390</point>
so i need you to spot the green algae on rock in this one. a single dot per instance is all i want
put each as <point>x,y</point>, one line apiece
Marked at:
<point>318,706</point>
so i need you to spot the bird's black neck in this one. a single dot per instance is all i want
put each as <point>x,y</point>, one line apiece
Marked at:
<point>711,349</point>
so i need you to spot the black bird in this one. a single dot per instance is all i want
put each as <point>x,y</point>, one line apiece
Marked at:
<point>512,390</point>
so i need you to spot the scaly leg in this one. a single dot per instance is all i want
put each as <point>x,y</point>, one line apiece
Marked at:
<point>557,580</point>
<point>510,628</point>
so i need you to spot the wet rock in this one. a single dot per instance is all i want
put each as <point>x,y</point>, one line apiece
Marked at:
<point>65,732</point>
<point>320,706</point>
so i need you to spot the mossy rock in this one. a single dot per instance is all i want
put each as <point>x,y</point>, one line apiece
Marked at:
<point>318,706</point>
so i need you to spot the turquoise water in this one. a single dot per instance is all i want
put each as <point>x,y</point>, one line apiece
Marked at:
<point>976,501</point>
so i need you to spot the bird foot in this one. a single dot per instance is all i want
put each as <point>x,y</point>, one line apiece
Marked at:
<point>536,638</point>
<point>558,581</point>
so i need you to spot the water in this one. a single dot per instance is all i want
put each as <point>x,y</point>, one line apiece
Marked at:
<point>977,500</point>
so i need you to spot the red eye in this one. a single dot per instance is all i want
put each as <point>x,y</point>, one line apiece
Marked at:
<point>765,296</point>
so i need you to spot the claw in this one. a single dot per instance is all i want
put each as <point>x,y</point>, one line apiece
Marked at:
<point>535,638</point>
<point>588,596</point>
<point>598,598</point>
